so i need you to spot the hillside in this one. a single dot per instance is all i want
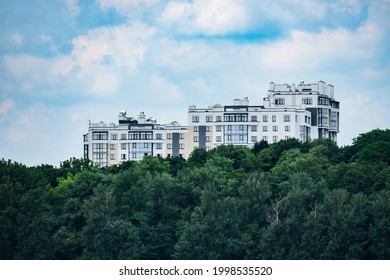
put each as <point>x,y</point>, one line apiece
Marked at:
<point>288,200</point>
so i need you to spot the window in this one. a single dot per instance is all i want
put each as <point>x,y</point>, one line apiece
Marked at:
<point>287,128</point>
<point>279,101</point>
<point>275,138</point>
<point>112,146</point>
<point>253,138</point>
<point>134,145</point>
<point>134,155</point>
<point>146,145</point>
<point>158,136</point>
<point>196,128</point>
<point>99,136</point>
<point>158,146</point>
<point>273,118</point>
<point>196,138</point>
<point>219,128</point>
<point>265,138</point>
<point>181,136</point>
<point>195,118</point>
<point>208,128</point>
<point>219,119</point>
<point>123,136</point>
<point>307,101</point>
<point>219,139</point>
<point>208,139</point>
<point>241,127</point>
<point>275,128</point>
<point>112,157</point>
<point>123,156</point>
<point>229,127</point>
<point>181,146</point>
<point>286,137</point>
<point>241,137</point>
<point>114,136</point>
<point>254,128</point>
<point>265,128</point>
<point>229,137</point>
<point>169,136</point>
<point>169,146</point>
<point>85,137</point>
<point>254,118</point>
<point>209,118</point>
<point>123,146</point>
<point>265,118</point>
<point>286,118</point>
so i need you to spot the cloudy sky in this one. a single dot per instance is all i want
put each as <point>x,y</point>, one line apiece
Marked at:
<point>65,62</point>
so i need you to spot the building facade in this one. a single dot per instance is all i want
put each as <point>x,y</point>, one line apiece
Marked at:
<point>304,112</point>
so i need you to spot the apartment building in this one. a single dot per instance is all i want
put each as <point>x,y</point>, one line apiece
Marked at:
<point>303,111</point>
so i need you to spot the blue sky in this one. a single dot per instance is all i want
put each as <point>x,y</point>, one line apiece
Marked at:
<point>65,62</point>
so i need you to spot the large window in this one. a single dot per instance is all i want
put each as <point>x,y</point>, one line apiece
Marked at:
<point>99,136</point>
<point>209,118</point>
<point>279,101</point>
<point>254,118</point>
<point>195,118</point>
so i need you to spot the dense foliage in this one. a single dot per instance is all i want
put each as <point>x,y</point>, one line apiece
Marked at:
<point>288,200</point>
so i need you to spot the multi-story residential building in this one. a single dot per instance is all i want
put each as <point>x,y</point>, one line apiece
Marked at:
<point>306,111</point>
<point>132,139</point>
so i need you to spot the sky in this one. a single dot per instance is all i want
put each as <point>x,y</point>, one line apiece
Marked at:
<point>64,63</point>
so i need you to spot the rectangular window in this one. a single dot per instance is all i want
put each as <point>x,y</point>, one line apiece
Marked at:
<point>195,118</point>
<point>275,128</point>
<point>181,146</point>
<point>273,118</point>
<point>229,137</point>
<point>229,127</point>
<point>196,138</point>
<point>158,136</point>
<point>114,136</point>
<point>208,139</point>
<point>169,136</point>
<point>219,118</point>
<point>169,146</point>
<point>286,118</point>
<point>134,145</point>
<point>287,128</point>
<point>99,136</point>
<point>265,138</point>
<point>209,118</point>
<point>158,146</point>
<point>241,137</point>
<point>286,137</point>
<point>208,128</point>
<point>253,138</point>
<point>279,101</point>
<point>181,136</point>
<point>123,156</point>
<point>254,118</point>
<point>123,146</point>
<point>275,138</point>
<point>219,128</point>
<point>112,146</point>
<point>265,118</point>
<point>196,128</point>
<point>134,155</point>
<point>123,136</point>
<point>85,137</point>
<point>265,128</point>
<point>254,128</point>
<point>219,139</point>
<point>307,101</point>
<point>241,127</point>
<point>112,157</point>
<point>146,145</point>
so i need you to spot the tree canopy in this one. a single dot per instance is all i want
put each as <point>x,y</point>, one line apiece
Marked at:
<point>287,200</point>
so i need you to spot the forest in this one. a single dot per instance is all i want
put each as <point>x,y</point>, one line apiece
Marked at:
<point>288,200</point>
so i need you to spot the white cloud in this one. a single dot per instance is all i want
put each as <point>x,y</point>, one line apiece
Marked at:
<point>16,38</point>
<point>5,106</point>
<point>73,7</point>
<point>213,17</point>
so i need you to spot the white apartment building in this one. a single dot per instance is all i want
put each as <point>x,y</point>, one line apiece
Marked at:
<point>132,139</point>
<point>304,112</point>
